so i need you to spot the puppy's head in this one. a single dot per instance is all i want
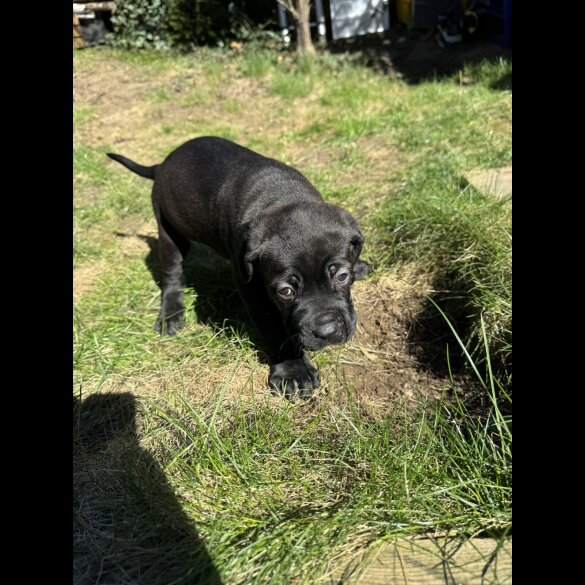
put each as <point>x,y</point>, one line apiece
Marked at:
<point>308,256</point>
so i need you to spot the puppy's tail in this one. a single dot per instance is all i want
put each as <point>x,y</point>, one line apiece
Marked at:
<point>147,172</point>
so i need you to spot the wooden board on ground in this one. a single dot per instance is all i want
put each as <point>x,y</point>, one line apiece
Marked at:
<point>496,182</point>
<point>479,561</point>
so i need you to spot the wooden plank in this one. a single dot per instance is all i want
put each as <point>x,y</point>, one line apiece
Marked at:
<point>479,561</point>
<point>100,6</point>
<point>496,182</point>
<point>77,36</point>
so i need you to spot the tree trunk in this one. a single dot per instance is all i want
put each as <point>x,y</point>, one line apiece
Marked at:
<point>299,10</point>
<point>305,44</point>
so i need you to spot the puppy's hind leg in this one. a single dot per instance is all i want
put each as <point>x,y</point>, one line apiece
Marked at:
<point>172,248</point>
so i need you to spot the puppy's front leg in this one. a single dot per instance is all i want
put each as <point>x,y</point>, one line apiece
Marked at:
<point>291,370</point>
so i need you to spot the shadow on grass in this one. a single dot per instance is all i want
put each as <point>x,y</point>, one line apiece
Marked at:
<point>430,337</point>
<point>128,526</point>
<point>504,82</point>
<point>431,340</point>
<point>217,302</point>
<point>416,57</point>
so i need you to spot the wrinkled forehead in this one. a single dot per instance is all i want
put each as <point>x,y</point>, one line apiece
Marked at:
<point>309,255</point>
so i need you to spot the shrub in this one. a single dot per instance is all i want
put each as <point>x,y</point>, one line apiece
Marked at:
<point>158,24</point>
<point>140,24</point>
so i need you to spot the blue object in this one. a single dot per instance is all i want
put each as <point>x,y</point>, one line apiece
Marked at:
<point>503,11</point>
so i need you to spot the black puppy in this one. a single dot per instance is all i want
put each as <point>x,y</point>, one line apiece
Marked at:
<point>294,257</point>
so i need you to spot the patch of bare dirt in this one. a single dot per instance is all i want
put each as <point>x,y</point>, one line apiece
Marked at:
<point>132,237</point>
<point>377,164</point>
<point>378,157</point>
<point>130,244</point>
<point>123,116</point>
<point>380,162</point>
<point>84,278</point>
<point>381,157</point>
<point>382,363</point>
<point>117,96</point>
<point>262,112</point>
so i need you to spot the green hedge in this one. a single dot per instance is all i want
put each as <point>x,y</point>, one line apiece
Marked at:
<point>160,24</point>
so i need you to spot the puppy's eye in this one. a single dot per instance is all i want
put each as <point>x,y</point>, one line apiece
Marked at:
<point>342,277</point>
<point>286,293</point>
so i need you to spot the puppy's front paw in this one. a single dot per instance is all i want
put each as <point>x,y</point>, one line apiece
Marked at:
<point>294,378</point>
<point>169,325</point>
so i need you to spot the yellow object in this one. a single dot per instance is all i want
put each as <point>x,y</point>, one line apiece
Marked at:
<point>404,11</point>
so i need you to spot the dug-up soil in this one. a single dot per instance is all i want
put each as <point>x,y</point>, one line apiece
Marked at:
<point>389,359</point>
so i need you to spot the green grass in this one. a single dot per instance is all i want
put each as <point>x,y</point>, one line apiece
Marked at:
<point>148,63</point>
<point>292,86</point>
<point>184,460</point>
<point>308,489</point>
<point>494,74</point>
<point>102,203</point>
<point>258,64</point>
<point>160,95</point>
<point>278,493</point>
<point>81,114</point>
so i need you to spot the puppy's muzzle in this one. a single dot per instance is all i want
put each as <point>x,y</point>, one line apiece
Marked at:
<point>329,327</point>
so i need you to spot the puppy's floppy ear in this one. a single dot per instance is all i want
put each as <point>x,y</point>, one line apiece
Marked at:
<point>247,252</point>
<point>246,265</point>
<point>356,241</point>
<point>360,268</point>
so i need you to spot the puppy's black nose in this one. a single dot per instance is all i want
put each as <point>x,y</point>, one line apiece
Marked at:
<point>326,326</point>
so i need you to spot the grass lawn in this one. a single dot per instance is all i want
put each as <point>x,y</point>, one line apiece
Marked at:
<point>187,469</point>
